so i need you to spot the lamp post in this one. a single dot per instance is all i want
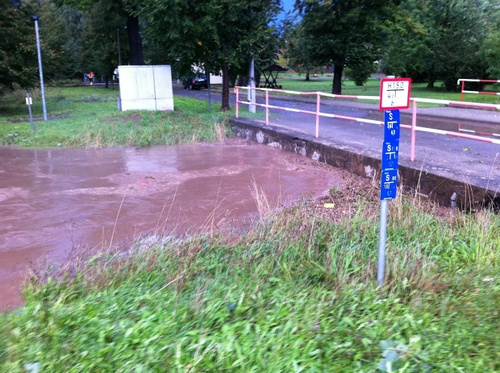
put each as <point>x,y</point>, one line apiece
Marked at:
<point>119,47</point>
<point>35,18</point>
<point>251,107</point>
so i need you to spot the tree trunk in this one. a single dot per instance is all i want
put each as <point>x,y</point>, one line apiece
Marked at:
<point>337,79</point>
<point>135,41</point>
<point>225,88</point>
<point>430,80</point>
<point>233,75</point>
<point>308,78</point>
<point>242,80</point>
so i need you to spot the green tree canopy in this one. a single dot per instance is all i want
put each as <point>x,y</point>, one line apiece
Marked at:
<point>343,33</point>
<point>297,48</point>
<point>436,39</point>
<point>218,34</point>
<point>100,39</point>
<point>18,58</point>
<point>490,49</point>
<point>112,14</point>
<point>61,40</point>
<point>490,54</point>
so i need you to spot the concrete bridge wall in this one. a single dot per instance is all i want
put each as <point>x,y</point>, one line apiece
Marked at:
<point>446,191</point>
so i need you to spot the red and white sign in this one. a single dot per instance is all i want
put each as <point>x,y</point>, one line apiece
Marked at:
<point>395,93</point>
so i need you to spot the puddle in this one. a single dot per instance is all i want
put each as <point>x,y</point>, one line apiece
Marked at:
<point>58,201</point>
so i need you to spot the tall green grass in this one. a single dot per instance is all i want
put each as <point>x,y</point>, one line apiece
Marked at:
<point>89,117</point>
<point>296,293</point>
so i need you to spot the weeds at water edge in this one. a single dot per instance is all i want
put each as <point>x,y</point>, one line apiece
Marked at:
<point>295,293</point>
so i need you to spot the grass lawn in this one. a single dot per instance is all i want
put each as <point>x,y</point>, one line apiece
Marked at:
<point>88,117</point>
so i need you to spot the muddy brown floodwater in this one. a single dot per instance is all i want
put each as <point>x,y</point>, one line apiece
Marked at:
<point>58,201</point>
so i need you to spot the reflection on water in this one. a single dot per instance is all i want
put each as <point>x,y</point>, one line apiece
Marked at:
<point>57,201</point>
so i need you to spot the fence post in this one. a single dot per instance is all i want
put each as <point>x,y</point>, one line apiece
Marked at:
<point>462,91</point>
<point>267,107</point>
<point>413,131</point>
<point>318,108</point>
<point>237,101</point>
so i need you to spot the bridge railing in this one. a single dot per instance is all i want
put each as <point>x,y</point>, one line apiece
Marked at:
<point>317,113</point>
<point>463,81</point>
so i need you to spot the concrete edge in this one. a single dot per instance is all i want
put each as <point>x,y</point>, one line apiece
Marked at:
<point>446,191</point>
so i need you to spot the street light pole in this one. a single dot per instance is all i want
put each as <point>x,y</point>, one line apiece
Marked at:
<point>35,18</point>
<point>251,107</point>
<point>119,47</point>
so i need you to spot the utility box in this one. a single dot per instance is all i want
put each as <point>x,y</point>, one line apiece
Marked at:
<point>146,88</point>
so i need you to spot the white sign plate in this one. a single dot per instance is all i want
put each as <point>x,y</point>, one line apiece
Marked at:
<point>395,93</point>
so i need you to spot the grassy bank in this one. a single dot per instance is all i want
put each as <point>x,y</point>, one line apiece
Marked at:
<point>88,117</point>
<point>294,294</point>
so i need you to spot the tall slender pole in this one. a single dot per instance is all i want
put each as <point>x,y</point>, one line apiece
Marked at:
<point>413,131</point>
<point>251,107</point>
<point>381,242</point>
<point>119,47</point>
<point>267,107</point>
<point>39,50</point>
<point>318,108</point>
<point>209,86</point>
<point>237,102</point>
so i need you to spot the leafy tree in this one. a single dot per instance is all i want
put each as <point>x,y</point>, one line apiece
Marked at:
<point>436,39</point>
<point>490,49</point>
<point>100,39</point>
<point>297,49</point>
<point>61,40</point>
<point>343,33</point>
<point>490,54</point>
<point>222,35</point>
<point>408,52</point>
<point>18,58</point>
<point>360,72</point>
<point>121,14</point>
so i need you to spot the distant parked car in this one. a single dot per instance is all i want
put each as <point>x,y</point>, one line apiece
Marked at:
<point>195,82</point>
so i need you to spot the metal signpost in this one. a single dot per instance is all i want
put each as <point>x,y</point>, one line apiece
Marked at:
<point>252,92</point>
<point>394,95</point>
<point>29,102</point>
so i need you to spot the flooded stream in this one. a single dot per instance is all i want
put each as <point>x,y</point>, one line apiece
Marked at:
<point>57,201</point>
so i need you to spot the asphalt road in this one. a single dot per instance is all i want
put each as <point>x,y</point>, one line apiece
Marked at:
<point>469,161</point>
<point>444,118</point>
